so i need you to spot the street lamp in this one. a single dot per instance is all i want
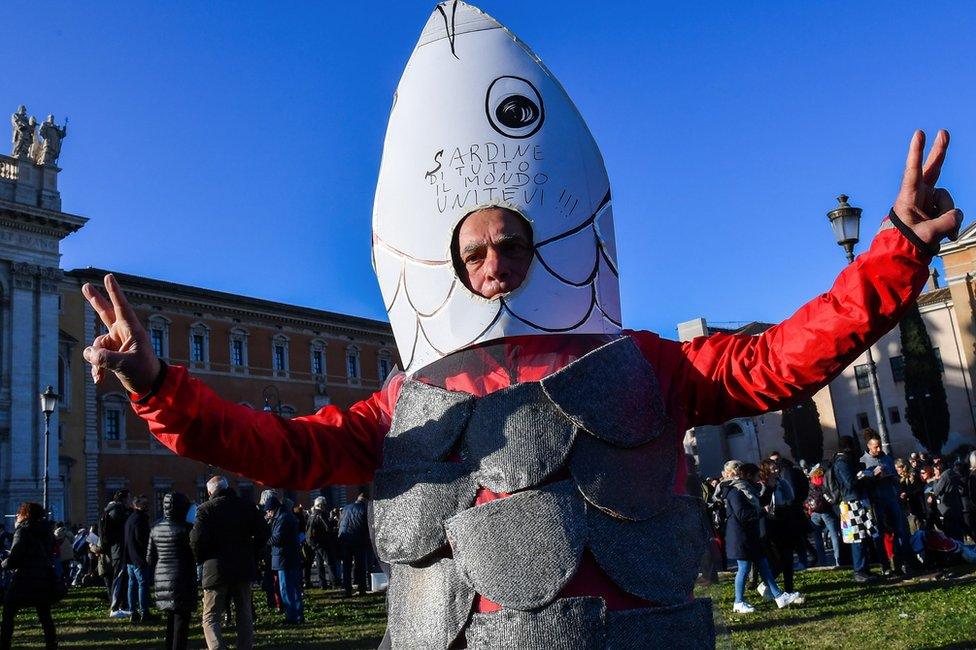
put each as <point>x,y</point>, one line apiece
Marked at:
<point>271,391</point>
<point>845,220</point>
<point>49,402</point>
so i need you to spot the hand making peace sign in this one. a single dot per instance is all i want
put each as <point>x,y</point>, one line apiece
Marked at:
<point>926,209</point>
<point>125,349</point>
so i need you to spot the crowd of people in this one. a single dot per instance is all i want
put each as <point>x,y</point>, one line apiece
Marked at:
<point>855,508</point>
<point>156,572</point>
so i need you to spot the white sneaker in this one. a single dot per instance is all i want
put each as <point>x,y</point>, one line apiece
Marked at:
<point>119,613</point>
<point>743,608</point>
<point>764,591</point>
<point>800,598</point>
<point>786,599</point>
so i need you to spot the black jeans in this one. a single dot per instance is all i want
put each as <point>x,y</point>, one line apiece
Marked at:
<point>47,623</point>
<point>359,553</point>
<point>177,629</point>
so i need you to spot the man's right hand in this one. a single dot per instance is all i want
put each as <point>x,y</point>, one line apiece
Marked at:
<point>125,350</point>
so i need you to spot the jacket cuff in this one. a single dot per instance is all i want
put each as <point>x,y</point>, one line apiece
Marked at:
<point>158,386</point>
<point>929,249</point>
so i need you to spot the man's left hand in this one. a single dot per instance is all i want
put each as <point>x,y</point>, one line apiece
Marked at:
<point>926,209</point>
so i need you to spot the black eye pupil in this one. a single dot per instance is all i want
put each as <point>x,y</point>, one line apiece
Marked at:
<point>517,112</point>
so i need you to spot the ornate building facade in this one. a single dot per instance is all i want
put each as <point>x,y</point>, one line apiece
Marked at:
<point>262,354</point>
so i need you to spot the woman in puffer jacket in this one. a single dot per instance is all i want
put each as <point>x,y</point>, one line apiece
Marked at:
<point>174,569</point>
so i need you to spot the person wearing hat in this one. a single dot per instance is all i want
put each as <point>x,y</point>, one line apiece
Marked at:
<point>286,556</point>
<point>526,461</point>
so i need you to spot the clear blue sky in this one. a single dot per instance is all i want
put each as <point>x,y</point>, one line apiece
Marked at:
<point>235,146</point>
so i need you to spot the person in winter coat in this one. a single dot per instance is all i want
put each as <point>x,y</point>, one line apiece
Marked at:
<point>174,570</point>
<point>228,533</point>
<point>857,525</point>
<point>33,580</point>
<point>286,557</point>
<point>744,533</point>
<point>317,537</point>
<point>946,497</point>
<point>111,533</point>
<point>354,543</point>
<point>136,544</point>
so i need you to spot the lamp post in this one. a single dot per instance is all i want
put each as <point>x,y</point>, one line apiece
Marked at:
<point>271,391</point>
<point>845,221</point>
<point>49,402</point>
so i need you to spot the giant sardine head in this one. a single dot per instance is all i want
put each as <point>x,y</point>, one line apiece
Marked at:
<point>478,121</point>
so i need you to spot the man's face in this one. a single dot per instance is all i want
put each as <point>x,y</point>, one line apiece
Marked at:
<point>494,250</point>
<point>874,447</point>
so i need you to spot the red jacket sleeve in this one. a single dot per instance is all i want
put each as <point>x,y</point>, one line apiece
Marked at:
<point>333,446</point>
<point>716,378</point>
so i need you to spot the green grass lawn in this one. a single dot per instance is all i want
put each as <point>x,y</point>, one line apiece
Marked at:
<point>932,611</point>
<point>332,622</point>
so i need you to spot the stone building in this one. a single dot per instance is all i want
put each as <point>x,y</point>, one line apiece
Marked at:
<point>32,226</point>
<point>262,354</point>
<point>266,355</point>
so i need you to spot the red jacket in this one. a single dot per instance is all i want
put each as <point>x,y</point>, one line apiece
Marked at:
<point>704,381</point>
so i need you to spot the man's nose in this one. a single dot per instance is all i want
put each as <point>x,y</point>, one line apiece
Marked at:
<point>496,266</point>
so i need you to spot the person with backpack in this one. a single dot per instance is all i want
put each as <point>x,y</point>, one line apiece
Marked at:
<point>845,486</point>
<point>822,518</point>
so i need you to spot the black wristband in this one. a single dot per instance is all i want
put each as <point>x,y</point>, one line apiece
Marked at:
<point>931,249</point>
<point>156,385</point>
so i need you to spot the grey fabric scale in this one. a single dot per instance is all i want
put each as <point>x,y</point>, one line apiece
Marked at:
<point>600,425</point>
<point>541,533</point>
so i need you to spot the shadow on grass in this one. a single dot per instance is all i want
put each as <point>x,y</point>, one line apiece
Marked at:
<point>794,620</point>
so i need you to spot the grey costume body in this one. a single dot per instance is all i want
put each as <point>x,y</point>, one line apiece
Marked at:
<point>590,456</point>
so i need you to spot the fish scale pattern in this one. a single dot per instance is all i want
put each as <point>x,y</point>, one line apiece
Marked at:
<point>578,482</point>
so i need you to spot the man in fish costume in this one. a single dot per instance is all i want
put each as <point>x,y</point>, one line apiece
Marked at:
<point>526,463</point>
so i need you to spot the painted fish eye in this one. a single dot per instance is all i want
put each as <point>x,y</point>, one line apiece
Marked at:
<point>517,112</point>
<point>514,107</point>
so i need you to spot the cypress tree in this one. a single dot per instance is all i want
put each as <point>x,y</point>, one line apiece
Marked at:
<point>802,431</point>
<point>927,412</point>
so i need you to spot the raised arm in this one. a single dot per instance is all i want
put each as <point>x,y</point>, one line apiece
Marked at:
<point>724,376</point>
<point>331,446</point>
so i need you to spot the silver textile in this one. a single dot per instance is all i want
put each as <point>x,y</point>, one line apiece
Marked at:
<point>600,426</point>
<point>680,627</point>
<point>411,505</point>
<point>656,559</point>
<point>635,483</point>
<point>429,425</point>
<point>611,392</point>
<point>536,542</point>
<point>516,438</point>
<point>428,605</point>
<point>567,624</point>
